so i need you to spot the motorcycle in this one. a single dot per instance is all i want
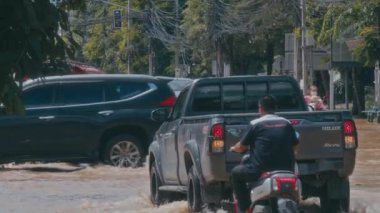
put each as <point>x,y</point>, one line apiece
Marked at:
<point>275,191</point>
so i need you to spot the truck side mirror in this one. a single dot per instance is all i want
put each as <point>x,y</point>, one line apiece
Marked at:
<point>160,115</point>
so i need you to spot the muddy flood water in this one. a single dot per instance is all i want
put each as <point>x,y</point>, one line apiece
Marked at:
<point>60,187</point>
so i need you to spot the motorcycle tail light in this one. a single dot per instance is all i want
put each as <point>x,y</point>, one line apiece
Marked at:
<point>285,184</point>
<point>299,188</point>
<point>275,185</point>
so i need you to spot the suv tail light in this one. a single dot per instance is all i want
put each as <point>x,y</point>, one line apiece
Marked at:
<point>294,122</point>
<point>349,131</point>
<point>217,138</point>
<point>168,102</point>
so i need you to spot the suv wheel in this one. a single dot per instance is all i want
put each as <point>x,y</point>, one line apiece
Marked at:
<point>193,192</point>
<point>123,151</point>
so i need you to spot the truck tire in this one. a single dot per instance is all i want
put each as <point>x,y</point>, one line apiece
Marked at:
<point>334,205</point>
<point>123,151</point>
<point>156,196</point>
<point>194,199</point>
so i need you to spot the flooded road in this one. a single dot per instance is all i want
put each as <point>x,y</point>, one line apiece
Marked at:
<point>60,187</point>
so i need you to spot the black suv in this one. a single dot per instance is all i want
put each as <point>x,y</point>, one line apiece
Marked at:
<point>89,117</point>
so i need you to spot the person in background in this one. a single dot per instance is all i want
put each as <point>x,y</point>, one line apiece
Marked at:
<point>313,99</point>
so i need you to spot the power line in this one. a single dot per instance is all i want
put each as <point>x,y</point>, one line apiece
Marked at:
<point>118,5</point>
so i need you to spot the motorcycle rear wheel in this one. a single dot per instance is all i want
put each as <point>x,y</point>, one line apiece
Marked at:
<point>287,206</point>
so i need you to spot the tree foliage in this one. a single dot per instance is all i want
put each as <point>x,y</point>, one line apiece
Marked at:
<point>241,28</point>
<point>237,29</point>
<point>358,19</point>
<point>107,47</point>
<point>355,21</point>
<point>29,37</point>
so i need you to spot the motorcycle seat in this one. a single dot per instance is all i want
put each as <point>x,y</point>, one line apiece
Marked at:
<point>267,174</point>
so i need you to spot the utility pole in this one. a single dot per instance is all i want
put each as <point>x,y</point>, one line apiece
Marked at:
<point>150,43</point>
<point>331,72</point>
<point>150,57</point>
<point>305,75</point>
<point>178,72</point>
<point>128,39</point>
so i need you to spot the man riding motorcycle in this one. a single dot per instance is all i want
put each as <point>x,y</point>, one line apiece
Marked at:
<point>271,141</point>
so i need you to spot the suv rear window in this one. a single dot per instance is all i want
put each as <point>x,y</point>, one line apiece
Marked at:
<point>80,93</point>
<point>39,96</point>
<point>124,90</point>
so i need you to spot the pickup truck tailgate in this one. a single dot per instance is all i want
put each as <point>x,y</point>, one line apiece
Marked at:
<point>320,134</point>
<point>319,140</point>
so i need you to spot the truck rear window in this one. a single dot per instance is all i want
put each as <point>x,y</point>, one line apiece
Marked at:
<point>233,97</point>
<point>240,96</point>
<point>255,91</point>
<point>286,97</point>
<point>207,99</point>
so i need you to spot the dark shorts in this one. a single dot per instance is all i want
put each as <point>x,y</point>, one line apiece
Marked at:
<point>240,175</point>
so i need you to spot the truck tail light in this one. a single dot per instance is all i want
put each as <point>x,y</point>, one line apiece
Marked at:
<point>168,102</point>
<point>349,131</point>
<point>217,138</point>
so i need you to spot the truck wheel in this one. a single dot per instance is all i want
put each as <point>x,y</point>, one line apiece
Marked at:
<point>156,196</point>
<point>334,205</point>
<point>123,151</point>
<point>194,199</point>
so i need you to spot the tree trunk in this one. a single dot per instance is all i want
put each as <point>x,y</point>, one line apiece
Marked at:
<point>358,92</point>
<point>219,60</point>
<point>325,82</point>
<point>232,56</point>
<point>269,56</point>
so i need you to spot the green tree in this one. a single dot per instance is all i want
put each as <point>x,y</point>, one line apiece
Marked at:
<point>108,48</point>
<point>360,20</point>
<point>195,27</point>
<point>29,37</point>
<point>103,45</point>
<point>268,21</point>
<point>240,28</point>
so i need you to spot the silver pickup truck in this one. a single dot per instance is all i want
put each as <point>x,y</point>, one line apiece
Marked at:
<point>190,154</point>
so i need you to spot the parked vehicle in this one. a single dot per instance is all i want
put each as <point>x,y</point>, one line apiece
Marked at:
<point>85,117</point>
<point>176,84</point>
<point>190,154</point>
